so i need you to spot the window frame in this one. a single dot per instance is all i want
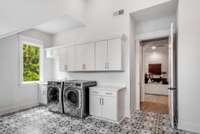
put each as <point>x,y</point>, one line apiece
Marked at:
<point>32,42</point>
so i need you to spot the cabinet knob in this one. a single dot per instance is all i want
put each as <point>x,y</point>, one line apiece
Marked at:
<point>108,93</point>
<point>83,66</point>
<point>95,92</point>
<point>106,65</point>
<point>66,67</point>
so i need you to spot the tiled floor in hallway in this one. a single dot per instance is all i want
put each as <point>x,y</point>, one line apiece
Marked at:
<point>40,121</point>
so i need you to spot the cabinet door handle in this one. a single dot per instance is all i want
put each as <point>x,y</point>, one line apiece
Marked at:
<point>95,92</point>
<point>83,66</point>
<point>66,67</point>
<point>108,93</point>
<point>106,65</point>
<point>102,101</point>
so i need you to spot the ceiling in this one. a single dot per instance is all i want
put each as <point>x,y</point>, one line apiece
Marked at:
<point>59,24</point>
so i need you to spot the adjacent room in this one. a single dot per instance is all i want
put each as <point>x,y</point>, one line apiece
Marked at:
<point>154,88</point>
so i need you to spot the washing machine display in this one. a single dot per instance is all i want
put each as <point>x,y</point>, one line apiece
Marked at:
<point>54,96</point>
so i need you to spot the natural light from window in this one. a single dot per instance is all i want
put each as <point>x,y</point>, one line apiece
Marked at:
<point>31,63</point>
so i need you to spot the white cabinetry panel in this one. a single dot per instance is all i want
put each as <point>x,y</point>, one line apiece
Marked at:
<point>107,103</point>
<point>96,56</point>
<point>42,94</point>
<point>101,55</point>
<point>84,57</point>
<point>115,54</point>
<point>95,108</point>
<point>109,108</point>
<point>66,58</point>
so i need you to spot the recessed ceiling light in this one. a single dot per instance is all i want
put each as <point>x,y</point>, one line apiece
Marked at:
<point>153,47</point>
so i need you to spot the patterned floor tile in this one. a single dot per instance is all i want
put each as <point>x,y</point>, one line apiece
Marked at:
<point>40,121</point>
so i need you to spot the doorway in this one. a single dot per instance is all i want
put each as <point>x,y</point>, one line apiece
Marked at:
<point>154,75</point>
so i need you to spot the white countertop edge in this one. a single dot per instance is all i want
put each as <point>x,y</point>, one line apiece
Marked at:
<point>108,88</point>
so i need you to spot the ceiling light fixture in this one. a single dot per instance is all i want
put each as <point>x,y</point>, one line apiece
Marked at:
<point>153,47</point>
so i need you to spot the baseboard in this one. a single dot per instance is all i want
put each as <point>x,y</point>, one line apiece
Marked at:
<point>189,126</point>
<point>12,109</point>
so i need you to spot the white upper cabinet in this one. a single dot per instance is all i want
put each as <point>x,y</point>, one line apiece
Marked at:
<point>66,58</point>
<point>101,55</point>
<point>96,56</point>
<point>85,57</point>
<point>108,55</point>
<point>114,54</point>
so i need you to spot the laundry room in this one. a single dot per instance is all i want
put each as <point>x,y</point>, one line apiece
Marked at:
<point>99,67</point>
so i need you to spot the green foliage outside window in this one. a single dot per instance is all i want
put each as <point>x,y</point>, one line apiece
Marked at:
<point>31,63</point>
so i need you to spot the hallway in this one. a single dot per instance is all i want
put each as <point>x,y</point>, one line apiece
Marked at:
<point>155,103</point>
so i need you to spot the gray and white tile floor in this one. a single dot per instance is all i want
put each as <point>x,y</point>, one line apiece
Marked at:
<point>40,121</point>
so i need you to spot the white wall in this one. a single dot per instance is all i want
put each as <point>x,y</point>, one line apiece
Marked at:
<point>158,56</point>
<point>189,65</point>
<point>13,95</point>
<point>153,25</point>
<point>47,40</point>
<point>100,23</point>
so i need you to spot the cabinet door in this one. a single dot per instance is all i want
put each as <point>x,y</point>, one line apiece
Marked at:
<point>43,94</point>
<point>84,57</point>
<point>69,66</point>
<point>109,108</point>
<point>66,58</point>
<point>90,57</point>
<point>95,105</point>
<point>101,55</point>
<point>79,57</point>
<point>115,54</point>
<point>62,55</point>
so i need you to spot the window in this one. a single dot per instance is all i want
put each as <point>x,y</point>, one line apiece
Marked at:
<point>30,60</point>
<point>31,63</point>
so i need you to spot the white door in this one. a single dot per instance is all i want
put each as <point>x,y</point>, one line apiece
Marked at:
<point>109,109</point>
<point>95,105</point>
<point>101,55</point>
<point>115,54</point>
<point>172,77</point>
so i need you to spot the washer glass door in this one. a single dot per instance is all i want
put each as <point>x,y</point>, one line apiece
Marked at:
<point>53,95</point>
<point>72,97</point>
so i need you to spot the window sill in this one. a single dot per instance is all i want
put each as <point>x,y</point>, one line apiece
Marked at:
<point>31,83</point>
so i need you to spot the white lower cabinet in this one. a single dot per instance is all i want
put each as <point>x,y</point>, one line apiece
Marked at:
<point>95,108</point>
<point>107,103</point>
<point>109,108</point>
<point>42,94</point>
